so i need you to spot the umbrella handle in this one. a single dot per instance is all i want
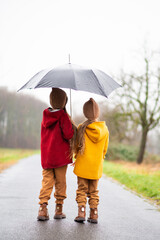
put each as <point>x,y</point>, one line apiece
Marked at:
<point>70,104</point>
<point>69,61</point>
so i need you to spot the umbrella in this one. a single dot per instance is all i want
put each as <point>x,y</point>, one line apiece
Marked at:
<point>73,77</point>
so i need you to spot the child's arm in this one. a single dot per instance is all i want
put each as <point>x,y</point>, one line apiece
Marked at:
<point>66,127</point>
<point>106,145</point>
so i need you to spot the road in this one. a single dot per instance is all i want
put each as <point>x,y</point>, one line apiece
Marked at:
<point>122,215</point>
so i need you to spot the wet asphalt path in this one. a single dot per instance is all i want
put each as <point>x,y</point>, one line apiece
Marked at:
<point>122,215</point>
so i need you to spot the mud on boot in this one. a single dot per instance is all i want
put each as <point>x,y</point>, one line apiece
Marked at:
<point>81,214</point>
<point>58,212</point>
<point>43,213</point>
<point>93,215</point>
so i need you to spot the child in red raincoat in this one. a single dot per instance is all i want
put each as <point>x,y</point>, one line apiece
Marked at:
<point>56,132</point>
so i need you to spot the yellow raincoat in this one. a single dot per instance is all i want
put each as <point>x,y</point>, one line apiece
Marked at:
<point>89,165</point>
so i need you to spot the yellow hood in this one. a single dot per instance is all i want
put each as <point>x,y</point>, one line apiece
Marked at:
<point>96,131</point>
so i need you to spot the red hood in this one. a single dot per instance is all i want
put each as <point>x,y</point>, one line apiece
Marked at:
<point>50,118</point>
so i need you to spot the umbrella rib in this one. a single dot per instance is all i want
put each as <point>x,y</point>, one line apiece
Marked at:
<point>100,85</point>
<point>42,79</point>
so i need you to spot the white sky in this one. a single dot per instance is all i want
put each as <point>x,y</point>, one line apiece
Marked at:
<point>38,34</point>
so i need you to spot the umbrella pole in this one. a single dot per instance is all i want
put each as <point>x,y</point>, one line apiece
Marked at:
<point>70,104</point>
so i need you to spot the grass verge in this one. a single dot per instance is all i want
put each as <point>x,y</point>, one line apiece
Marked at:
<point>10,156</point>
<point>137,178</point>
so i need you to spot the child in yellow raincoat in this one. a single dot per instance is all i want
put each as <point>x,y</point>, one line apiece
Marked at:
<point>91,147</point>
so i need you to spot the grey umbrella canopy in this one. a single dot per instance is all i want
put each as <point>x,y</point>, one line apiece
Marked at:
<point>73,77</point>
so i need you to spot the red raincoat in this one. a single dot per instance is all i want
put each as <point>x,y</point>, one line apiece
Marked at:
<point>56,130</point>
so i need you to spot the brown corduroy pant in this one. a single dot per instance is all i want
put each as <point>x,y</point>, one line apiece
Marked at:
<point>51,177</point>
<point>87,188</point>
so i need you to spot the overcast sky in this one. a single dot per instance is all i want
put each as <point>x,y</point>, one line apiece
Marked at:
<point>39,34</point>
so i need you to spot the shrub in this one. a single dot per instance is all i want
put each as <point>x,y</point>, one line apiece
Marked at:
<point>118,151</point>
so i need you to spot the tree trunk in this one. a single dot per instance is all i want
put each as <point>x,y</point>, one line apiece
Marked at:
<point>142,146</point>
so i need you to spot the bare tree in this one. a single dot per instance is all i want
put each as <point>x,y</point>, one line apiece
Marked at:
<point>141,95</point>
<point>20,120</point>
<point>116,121</point>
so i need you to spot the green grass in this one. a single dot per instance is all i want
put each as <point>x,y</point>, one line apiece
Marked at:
<point>145,184</point>
<point>12,155</point>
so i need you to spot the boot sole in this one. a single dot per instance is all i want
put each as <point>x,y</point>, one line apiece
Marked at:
<point>81,220</point>
<point>92,221</point>
<point>42,218</point>
<point>59,217</point>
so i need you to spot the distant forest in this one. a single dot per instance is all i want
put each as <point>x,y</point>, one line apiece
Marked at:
<point>20,120</point>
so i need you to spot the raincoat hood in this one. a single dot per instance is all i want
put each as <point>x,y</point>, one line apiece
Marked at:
<point>96,131</point>
<point>50,118</point>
